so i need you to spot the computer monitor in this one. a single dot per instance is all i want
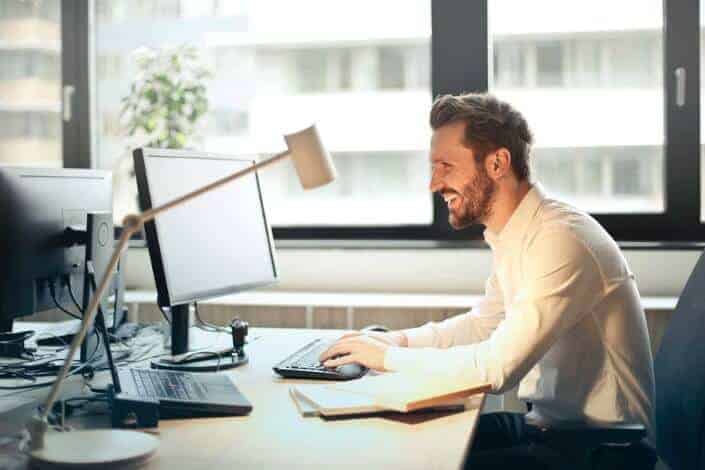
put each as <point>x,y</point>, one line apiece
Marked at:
<point>37,206</point>
<point>220,243</point>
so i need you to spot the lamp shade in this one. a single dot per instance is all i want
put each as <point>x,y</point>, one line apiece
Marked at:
<point>311,160</point>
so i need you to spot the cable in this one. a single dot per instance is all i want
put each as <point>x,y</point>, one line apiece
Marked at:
<point>47,384</point>
<point>204,325</point>
<point>73,298</point>
<point>78,306</point>
<point>48,372</point>
<point>72,295</point>
<point>52,291</point>
<point>47,333</point>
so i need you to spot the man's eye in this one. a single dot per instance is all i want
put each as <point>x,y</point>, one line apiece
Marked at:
<point>441,169</point>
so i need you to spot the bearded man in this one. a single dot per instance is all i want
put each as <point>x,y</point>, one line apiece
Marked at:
<point>561,316</point>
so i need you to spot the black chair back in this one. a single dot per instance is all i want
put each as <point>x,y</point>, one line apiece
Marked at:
<point>680,379</point>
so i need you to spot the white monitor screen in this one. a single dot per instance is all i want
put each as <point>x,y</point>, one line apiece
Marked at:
<point>217,243</point>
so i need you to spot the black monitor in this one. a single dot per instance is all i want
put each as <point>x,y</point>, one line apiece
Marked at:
<point>37,206</point>
<point>219,243</point>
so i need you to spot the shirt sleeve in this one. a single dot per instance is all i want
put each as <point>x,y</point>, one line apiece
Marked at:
<point>471,327</point>
<point>561,283</point>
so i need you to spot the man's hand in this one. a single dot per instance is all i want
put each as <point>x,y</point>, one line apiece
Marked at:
<point>367,349</point>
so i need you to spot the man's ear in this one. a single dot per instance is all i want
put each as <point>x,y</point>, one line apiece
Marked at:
<point>498,163</point>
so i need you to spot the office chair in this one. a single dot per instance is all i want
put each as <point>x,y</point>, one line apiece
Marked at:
<point>680,379</point>
<point>679,370</point>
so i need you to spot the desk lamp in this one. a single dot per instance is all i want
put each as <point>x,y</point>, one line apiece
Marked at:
<point>93,448</point>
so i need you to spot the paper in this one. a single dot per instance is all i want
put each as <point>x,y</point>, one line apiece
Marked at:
<point>331,402</point>
<point>306,407</point>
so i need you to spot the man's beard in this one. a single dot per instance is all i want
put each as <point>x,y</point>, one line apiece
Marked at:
<point>477,201</point>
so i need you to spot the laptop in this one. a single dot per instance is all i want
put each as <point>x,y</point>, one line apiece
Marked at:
<point>183,394</point>
<point>180,394</point>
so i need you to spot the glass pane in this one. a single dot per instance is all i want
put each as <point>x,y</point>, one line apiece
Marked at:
<point>30,83</point>
<point>588,78</point>
<point>276,67</point>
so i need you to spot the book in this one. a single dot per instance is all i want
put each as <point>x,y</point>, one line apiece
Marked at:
<point>387,392</point>
<point>407,392</point>
<point>330,402</point>
<point>303,404</point>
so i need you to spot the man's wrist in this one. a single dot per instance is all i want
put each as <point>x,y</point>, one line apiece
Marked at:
<point>400,338</point>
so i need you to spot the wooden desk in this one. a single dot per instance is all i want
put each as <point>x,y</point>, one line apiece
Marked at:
<point>275,435</point>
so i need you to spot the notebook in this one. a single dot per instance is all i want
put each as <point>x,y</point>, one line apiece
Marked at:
<point>407,392</point>
<point>328,402</point>
<point>387,392</point>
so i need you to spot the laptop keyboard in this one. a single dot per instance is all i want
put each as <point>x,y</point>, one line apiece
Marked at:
<point>167,384</point>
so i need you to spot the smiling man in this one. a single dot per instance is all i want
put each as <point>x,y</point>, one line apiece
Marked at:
<point>561,316</point>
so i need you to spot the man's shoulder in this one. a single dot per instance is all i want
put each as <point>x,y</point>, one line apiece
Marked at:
<point>557,218</point>
<point>571,230</point>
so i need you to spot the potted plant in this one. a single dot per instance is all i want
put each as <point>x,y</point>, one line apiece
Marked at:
<point>164,109</point>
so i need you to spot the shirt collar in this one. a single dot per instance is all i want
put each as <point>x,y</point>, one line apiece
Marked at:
<point>516,226</point>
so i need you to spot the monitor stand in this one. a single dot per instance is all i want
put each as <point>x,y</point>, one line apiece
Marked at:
<point>5,324</point>
<point>201,360</point>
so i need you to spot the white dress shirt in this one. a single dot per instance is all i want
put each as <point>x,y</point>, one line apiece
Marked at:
<point>561,317</point>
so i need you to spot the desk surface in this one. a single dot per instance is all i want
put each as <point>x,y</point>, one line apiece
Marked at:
<point>275,435</point>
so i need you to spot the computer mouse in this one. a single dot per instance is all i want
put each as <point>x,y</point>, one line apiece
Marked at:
<point>352,370</point>
<point>376,328</point>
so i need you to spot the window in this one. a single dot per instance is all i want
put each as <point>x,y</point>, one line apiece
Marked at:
<point>593,93</point>
<point>635,60</point>
<point>228,122</point>
<point>365,83</point>
<point>598,81</point>
<point>586,68</point>
<point>509,64</point>
<point>549,63</point>
<point>108,66</point>
<point>391,69</point>
<point>311,70</point>
<point>30,83</point>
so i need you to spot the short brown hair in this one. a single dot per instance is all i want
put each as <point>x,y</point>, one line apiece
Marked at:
<point>490,124</point>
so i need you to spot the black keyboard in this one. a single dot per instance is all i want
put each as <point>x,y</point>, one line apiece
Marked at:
<point>167,384</point>
<point>304,364</point>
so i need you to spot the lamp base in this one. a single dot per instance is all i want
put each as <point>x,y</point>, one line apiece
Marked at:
<point>94,449</point>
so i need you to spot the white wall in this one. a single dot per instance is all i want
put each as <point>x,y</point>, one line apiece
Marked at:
<point>422,270</point>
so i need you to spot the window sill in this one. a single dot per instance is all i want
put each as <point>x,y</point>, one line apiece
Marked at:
<point>353,300</point>
<point>444,245</point>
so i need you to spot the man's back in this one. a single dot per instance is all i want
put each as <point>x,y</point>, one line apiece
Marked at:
<point>600,369</point>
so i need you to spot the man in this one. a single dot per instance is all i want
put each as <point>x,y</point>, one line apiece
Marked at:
<point>561,316</point>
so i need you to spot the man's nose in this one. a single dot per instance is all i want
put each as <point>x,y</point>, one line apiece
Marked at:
<point>435,183</point>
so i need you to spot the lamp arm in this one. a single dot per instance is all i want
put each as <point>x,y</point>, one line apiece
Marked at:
<point>131,225</point>
<point>148,215</point>
<point>89,315</point>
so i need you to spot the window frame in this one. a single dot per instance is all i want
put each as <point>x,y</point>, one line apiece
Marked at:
<point>76,72</point>
<point>460,62</point>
